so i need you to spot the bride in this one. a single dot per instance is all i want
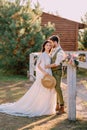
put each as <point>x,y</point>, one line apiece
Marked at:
<point>38,100</point>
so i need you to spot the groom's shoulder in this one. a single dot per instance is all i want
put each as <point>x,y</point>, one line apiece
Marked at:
<point>61,51</point>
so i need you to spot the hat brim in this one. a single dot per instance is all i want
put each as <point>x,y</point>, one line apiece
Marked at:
<point>48,81</point>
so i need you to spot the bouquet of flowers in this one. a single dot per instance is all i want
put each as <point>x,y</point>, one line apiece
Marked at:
<point>72,59</point>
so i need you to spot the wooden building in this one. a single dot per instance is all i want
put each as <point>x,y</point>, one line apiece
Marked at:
<point>66,29</point>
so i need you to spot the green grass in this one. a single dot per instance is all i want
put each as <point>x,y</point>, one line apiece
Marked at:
<point>9,77</point>
<point>81,73</point>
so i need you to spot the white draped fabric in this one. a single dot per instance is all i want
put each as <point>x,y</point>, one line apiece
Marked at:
<point>38,100</point>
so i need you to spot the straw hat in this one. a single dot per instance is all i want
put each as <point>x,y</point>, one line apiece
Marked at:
<point>48,81</point>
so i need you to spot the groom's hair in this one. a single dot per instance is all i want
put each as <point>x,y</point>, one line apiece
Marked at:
<point>54,38</point>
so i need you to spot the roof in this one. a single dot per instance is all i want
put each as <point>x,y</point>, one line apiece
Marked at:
<point>80,25</point>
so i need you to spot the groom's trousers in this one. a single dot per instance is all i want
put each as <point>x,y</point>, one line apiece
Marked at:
<point>58,74</point>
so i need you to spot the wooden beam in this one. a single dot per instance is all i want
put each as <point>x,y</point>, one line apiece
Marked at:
<point>71,91</point>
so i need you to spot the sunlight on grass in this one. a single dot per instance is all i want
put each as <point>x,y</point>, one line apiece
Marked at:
<point>18,83</point>
<point>39,122</point>
<point>2,92</point>
<point>2,95</point>
<point>85,103</point>
<point>17,97</point>
<point>18,93</point>
<point>16,88</point>
<point>11,93</point>
<point>1,101</point>
<point>81,73</point>
<point>84,82</point>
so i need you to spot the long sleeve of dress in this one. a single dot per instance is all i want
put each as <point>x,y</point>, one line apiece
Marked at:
<point>44,59</point>
<point>40,61</point>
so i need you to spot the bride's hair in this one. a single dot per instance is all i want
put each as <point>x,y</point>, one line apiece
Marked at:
<point>43,46</point>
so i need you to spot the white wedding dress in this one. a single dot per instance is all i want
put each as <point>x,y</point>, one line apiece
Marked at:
<point>38,100</point>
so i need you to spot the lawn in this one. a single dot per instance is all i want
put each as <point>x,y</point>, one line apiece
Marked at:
<point>14,87</point>
<point>10,77</point>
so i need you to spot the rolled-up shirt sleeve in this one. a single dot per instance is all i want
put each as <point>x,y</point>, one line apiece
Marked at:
<point>59,58</point>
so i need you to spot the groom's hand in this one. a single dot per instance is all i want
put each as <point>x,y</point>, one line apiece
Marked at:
<point>47,66</point>
<point>50,66</point>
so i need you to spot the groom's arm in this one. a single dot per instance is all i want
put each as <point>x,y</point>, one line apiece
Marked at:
<point>51,65</point>
<point>60,57</point>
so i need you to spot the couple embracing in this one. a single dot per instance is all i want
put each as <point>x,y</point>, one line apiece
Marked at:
<point>39,100</point>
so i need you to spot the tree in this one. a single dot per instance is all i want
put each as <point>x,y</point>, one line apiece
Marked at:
<point>83,34</point>
<point>20,34</point>
<point>85,38</point>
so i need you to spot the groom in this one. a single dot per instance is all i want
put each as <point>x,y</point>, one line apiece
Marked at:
<point>58,56</point>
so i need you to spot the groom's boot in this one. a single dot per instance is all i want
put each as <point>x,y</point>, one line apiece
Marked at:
<point>57,107</point>
<point>61,110</point>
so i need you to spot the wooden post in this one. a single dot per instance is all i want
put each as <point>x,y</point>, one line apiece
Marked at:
<point>86,57</point>
<point>31,67</point>
<point>71,91</point>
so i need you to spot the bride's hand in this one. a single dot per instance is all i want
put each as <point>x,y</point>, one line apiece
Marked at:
<point>45,73</point>
<point>47,66</point>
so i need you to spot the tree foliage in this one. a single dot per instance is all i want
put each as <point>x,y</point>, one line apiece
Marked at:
<point>20,34</point>
<point>83,34</point>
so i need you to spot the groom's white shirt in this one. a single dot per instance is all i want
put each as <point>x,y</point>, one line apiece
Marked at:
<point>60,55</point>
